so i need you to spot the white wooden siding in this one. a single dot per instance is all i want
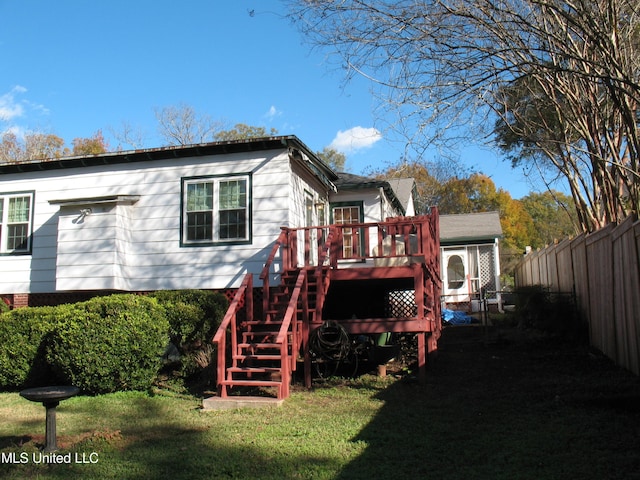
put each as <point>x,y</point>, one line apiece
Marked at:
<point>137,247</point>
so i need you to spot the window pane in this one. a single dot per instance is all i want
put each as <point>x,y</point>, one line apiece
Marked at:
<point>233,194</point>
<point>233,224</point>
<point>18,209</point>
<point>199,196</point>
<point>200,226</point>
<point>17,237</point>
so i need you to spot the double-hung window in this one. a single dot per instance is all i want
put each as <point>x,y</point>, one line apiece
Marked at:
<point>216,210</point>
<point>16,212</point>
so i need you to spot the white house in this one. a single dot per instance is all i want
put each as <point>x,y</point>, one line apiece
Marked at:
<point>196,216</point>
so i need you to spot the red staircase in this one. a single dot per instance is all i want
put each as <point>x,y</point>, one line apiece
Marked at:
<point>263,351</point>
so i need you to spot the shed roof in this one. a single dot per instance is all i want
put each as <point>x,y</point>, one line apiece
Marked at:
<point>470,227</point>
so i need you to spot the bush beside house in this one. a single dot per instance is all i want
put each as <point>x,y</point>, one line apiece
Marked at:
<point>194,317</point>
<point>105,344</point>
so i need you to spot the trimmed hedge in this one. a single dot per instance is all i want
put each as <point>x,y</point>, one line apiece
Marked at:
<point>108,343</point>
<point>113,343</point>
<point>102,345</point>
<point>23,336</point>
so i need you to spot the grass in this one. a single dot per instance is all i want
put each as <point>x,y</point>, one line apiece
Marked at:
<point>512,408</point>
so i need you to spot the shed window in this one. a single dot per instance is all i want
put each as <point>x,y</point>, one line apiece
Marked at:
<point>216,209</point>
<point>16,212</point>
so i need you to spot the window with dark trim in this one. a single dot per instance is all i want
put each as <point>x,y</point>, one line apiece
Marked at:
<point>16,222</point>
<point>216,210</point>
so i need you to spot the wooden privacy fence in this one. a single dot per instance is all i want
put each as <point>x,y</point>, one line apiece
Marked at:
<point>603,270</point>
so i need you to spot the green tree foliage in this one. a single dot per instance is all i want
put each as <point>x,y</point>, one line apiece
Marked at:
<point>241,131</point>
<point>335,159</point>
<point>553,216</point>
<point>477,193</point>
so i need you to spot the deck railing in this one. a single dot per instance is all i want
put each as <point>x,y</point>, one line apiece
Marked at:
<point>395,238</point>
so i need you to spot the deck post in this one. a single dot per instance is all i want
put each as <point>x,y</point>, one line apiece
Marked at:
<point>422,358</point>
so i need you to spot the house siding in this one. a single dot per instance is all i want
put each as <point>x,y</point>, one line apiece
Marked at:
<point>137,247</point>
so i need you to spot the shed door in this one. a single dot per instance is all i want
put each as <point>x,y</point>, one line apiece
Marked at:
<point>456,284</point>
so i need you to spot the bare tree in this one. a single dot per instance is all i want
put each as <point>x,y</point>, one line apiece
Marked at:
<point>129,135</point>
<point>182,125</point>
<point>443,64</point>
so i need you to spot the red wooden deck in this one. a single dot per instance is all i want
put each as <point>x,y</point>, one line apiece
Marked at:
<point>369,277</point>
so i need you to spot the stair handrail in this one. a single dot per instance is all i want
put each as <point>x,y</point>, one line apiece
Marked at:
<point>281,339</point>
<point>264,275</point>
<point>230,320</point>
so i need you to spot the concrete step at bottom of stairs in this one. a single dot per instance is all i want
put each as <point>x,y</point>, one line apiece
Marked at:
<point>235,402</point>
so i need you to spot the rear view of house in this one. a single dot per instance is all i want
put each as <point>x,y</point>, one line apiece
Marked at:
<point>263,218</point>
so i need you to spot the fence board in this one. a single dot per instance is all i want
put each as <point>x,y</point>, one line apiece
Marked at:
<point>581,275</point>
<point>600,279</point>
<point>551,267</point>
<point>564,266</point>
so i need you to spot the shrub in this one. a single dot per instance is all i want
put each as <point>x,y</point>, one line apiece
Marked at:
<point>23,337</point>
<point>194,317</point>
<point>111,343</point>
<point>551,312</point>
<point>4,306</point>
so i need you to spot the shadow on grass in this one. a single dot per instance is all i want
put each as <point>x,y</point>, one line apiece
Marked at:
<point>507,409</point>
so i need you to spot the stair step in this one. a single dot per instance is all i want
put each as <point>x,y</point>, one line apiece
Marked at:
<point>251,383</point>
<point>248,336</point>
<point>257,357</point>
<point>259,345</point>
<point>254,370</point>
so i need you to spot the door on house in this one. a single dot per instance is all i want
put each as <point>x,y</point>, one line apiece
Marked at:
<point>456,281</point>
<point>351,237</point>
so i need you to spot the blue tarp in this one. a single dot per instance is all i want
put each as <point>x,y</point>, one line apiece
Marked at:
<point>454,317</point>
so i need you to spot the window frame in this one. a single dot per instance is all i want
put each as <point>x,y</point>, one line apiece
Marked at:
<point>5,197</point>
<point>215,180</point>
<point>358,234</point>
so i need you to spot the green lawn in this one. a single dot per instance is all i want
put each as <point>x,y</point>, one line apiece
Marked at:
<point>517,409</point>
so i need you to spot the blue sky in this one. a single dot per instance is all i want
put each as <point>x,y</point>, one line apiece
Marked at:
<point>74,67</point>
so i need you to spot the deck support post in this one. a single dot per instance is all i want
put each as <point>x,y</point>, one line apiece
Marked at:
<point>422,358</point>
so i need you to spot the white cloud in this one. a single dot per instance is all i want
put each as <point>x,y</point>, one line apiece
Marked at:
<point>272,113</point>
<point>355,138</point>
<point>10,108</point>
